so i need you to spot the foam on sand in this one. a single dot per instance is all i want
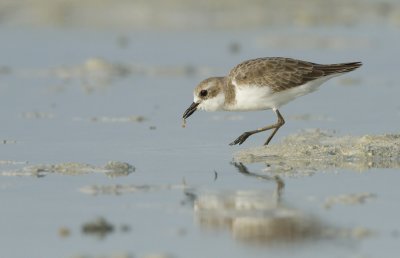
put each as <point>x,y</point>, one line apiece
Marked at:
<point>320,150</point>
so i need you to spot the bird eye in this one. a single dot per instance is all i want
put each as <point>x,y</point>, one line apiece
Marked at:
<point>203,93</point>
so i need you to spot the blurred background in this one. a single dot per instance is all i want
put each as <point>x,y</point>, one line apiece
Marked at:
<point>193,15</point>
<point>94,162</point>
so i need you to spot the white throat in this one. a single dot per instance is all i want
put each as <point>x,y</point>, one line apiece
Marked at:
<point>212,104</point>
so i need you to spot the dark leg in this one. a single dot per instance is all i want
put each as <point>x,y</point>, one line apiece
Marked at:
<point>279,182</point>
<point>276,127</point>
<point>279,124</point>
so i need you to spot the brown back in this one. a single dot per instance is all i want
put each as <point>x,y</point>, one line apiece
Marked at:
<point>284,73</point>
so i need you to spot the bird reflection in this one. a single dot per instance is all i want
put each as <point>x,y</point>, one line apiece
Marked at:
<point>255,216</point>
<point>279,182</point>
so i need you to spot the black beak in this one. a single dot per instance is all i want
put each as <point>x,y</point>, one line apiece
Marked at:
<point>190,110</point>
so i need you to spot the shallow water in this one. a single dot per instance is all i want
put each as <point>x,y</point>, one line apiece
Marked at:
<point>74,99</point>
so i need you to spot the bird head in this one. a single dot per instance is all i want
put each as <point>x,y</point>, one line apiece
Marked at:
<point>208,95</point>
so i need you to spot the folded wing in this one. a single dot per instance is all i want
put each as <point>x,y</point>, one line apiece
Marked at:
<point>283,73</point>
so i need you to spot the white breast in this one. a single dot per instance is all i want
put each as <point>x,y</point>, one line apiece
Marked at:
<point>250,97</point>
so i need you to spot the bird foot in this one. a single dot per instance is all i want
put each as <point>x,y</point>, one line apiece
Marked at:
<point>241,139</point>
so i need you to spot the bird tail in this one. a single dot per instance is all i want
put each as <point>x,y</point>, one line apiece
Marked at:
<point>339,68</point>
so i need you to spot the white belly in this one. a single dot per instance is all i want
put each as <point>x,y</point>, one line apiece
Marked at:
<point>250,97</point>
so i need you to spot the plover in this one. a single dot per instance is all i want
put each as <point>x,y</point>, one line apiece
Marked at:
<point>261,84</point>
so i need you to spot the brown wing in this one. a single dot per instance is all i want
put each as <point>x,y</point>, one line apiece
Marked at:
<point>284,73</point>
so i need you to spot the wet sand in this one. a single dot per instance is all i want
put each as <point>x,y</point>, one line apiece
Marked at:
<point>316,150</point>
<point>94,161</point>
